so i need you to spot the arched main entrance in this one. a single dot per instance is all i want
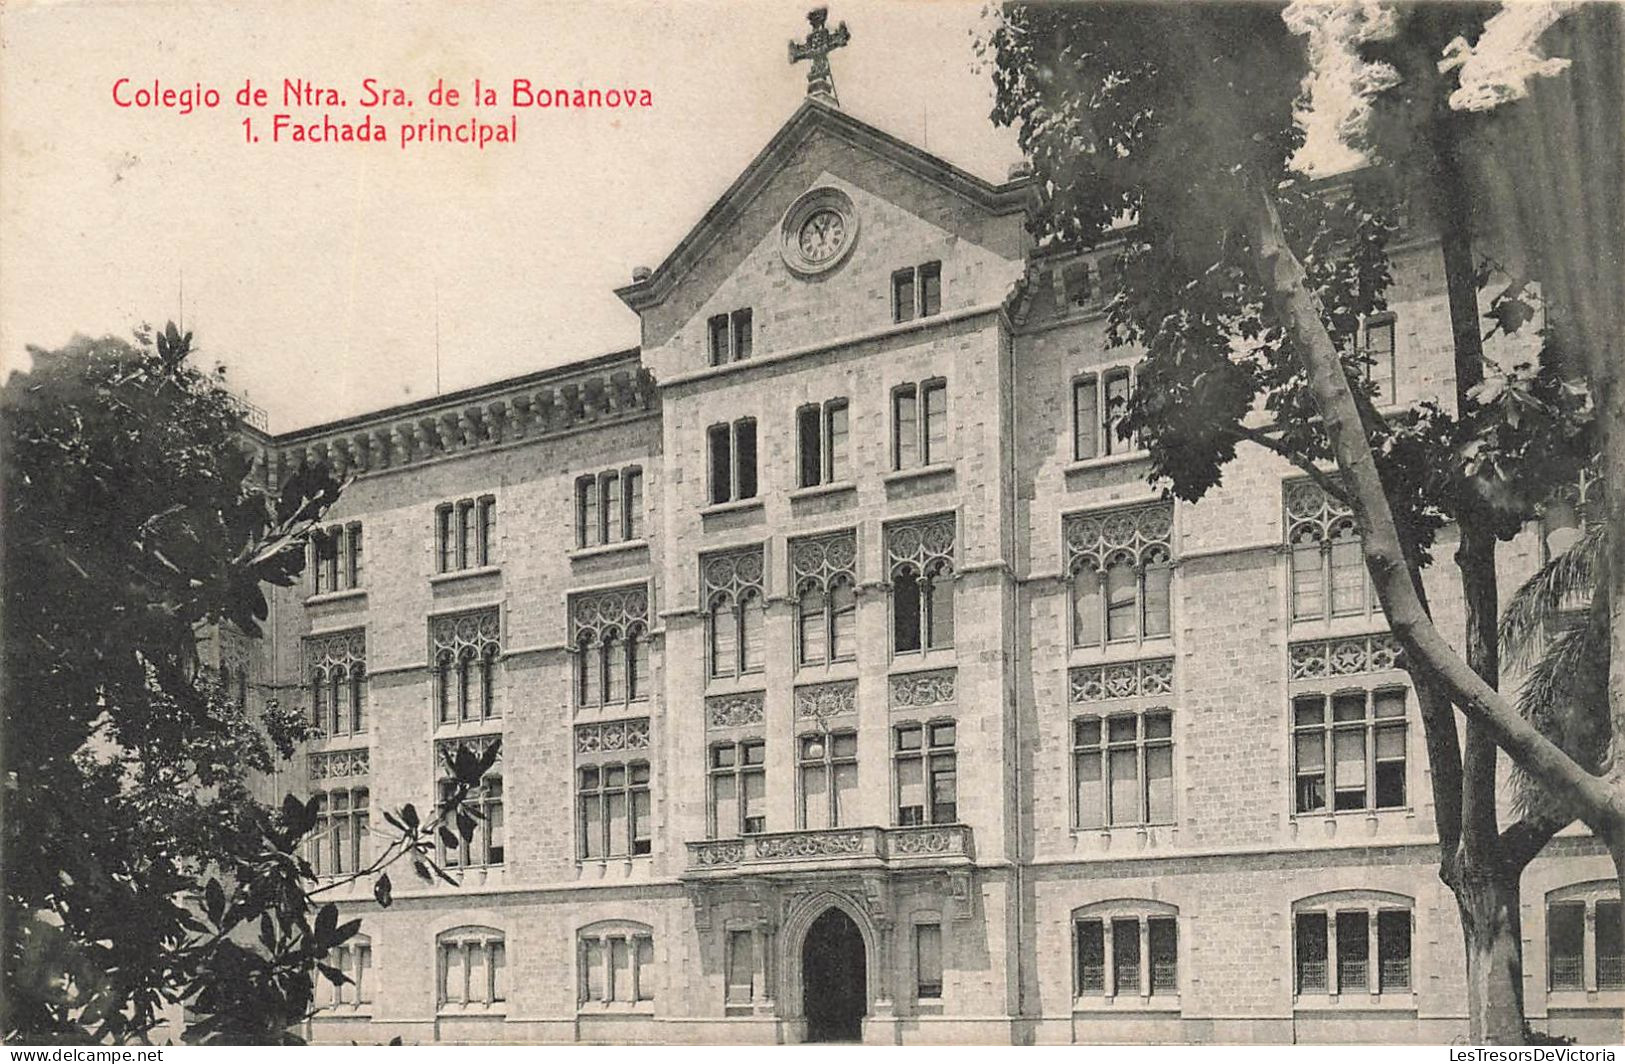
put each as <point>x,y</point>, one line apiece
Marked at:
<point>834,979</point>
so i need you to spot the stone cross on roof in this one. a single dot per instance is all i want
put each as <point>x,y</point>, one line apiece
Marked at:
<point>820,42</point>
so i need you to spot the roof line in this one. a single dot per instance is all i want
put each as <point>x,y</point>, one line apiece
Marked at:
<point>462,394</point>
<point>1009,196</point>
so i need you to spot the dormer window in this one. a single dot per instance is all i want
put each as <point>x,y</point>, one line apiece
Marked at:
<point>916,292</point>
<point>730,336</point>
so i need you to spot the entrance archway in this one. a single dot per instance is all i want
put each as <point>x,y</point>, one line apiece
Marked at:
<point>834,979</point>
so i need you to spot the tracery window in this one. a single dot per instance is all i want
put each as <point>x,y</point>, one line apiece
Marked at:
<point>1329,577</point>
<point>824,574</point>
<point>615,960</point>
<point>466,648</point>
<point>1121,574</point>
<point>610,633</point>
<point>336,668</point>
<point>734,597</point>
<point>920,569</point>
<point>473,967</point>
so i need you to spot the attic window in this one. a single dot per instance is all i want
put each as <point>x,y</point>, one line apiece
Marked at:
<point>916,292</point>
<point>729,336</point>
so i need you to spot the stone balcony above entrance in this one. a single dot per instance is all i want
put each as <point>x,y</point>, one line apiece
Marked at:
<point>896,849</point>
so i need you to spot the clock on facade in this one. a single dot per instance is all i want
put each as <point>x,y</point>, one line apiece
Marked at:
<point>818,231</point>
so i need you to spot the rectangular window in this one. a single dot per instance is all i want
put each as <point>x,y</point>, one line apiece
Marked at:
<point>741,967</point>
<point>738,788</point>
<point>936,422</point>
<point>1381,369</point>
<point>1125,957</point>
<point>821,443</point>
<point>447,538</point>
<point>928,960</point>
<point>1309,945</point>
<point>1333,951</point>
<point>1357,759</point>
<point>902,295</point>
<point>588,520</point>
<point>919,424</point>
<point>352,543</point>
<point>1393,950</point>
<point>905,427</point>
<point>828,775</point>
<point>489,844</point>
<point>613,809</point>
<point>609,507</point>
<point>720,444</point>
<point>916,292</point>
<point>1123,769</point>
<point>811,445</point>
<point>1091,946</point>
<point>466,533</point>
<point>1163,934</point>
<point>742,338</point>
<point>1117,384</point>
<point>1610,946</point>
<point>1565,945</point>
<point>733,460</point>
<point>745,458</point>
<point>930,289</point>
<point>1076,288</point>
<point>926,773</point>
<point>1085,419</point>
<point>634,503</point>
<point>729,336</point>
<point>717,330</point>
<point>1353,950</point>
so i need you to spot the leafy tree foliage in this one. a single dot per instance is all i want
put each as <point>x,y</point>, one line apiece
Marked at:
<point>1171,131</point>
<point>140,871</point>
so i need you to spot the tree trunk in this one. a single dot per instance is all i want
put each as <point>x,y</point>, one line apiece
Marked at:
<point>1487,899</point>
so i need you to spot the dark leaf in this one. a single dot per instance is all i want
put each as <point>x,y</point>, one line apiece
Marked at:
<point>466,825</point>
<point>381,890</point>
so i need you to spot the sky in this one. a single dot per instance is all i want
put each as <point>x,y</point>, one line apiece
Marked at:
<point>321,275</point>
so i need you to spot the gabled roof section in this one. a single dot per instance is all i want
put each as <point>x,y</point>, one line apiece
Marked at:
<point>814,114</point>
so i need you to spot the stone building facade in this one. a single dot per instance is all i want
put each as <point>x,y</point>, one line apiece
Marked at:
<point>851,682</point>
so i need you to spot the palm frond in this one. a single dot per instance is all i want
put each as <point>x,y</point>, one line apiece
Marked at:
<point>1531,618</point>
<point>1565,696</point>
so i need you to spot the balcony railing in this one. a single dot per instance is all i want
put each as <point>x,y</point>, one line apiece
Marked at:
<point>874,847</point>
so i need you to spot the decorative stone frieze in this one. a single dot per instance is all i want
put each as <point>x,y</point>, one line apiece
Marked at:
<point>339,764</point>
<point>1127,679</point>
<point>733,711</point>
<point>629,734</point>
<point>1344,657</point>
<point>920,689</point>
<point>823,700</point>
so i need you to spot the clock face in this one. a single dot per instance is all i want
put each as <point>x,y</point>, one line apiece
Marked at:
<point>822,235</point>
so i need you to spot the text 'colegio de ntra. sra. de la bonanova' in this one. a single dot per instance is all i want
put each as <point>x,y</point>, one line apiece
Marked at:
<point>372,111</point>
